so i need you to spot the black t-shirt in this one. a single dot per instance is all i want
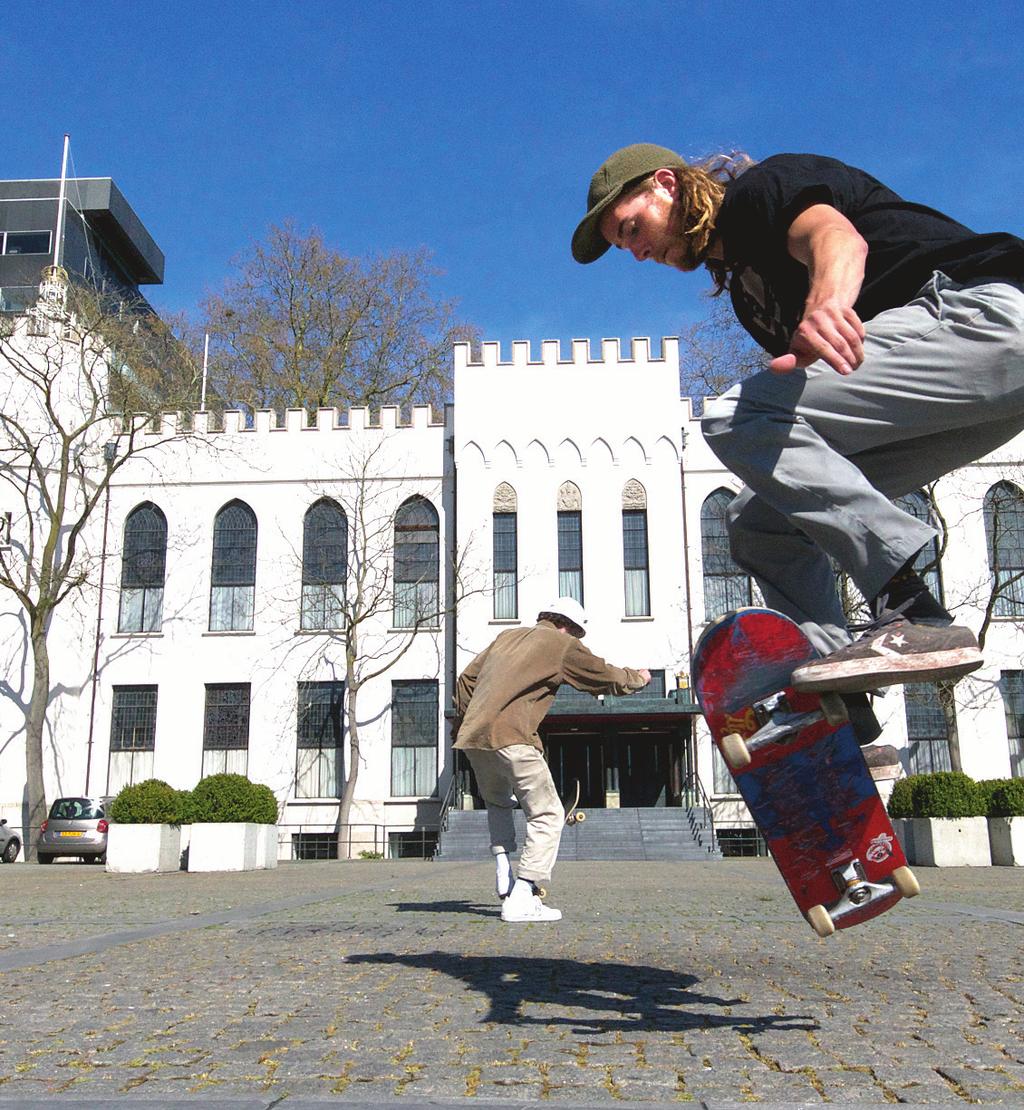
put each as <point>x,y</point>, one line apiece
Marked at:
<point>906,243</point>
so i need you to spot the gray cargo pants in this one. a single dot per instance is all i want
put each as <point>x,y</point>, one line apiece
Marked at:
<point>941,384</point>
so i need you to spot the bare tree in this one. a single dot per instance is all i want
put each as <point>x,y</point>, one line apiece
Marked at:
<point>84,382</point>
<point>715,353</point>
<point>302,326</point>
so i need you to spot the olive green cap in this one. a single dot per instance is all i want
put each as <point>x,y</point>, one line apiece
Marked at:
<point>621,170</point>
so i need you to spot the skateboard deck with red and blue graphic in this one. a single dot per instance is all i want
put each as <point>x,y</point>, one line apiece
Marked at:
<point>798,767</point>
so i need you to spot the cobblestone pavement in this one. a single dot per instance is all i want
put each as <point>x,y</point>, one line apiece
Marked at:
<point>373,982</point>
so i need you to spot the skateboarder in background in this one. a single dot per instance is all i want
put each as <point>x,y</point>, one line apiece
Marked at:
<point>500,700</point>
<point>897,344</point>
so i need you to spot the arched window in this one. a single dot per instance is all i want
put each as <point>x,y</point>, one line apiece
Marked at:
<point>570,542</point>
<point>927,562</point>
<point>635,565</point>
<point>416,564</point>
<point>725,585</point>
<point>143,564</point>
<point>233,577</point>
<point>1004,529</point>
<point>504,526</point>
<point>324,565</point>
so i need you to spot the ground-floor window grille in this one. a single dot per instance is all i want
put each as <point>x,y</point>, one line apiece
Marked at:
<point>414,738</point>
<point>226,728</point>
<point>927,730</point>
<point>132,736</point>
<point>1011,686</point>
<point>319,760</point>
<point>418,844</point>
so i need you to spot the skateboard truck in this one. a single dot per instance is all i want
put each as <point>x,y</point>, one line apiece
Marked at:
<point>857,891</point>
<point>779,723</point>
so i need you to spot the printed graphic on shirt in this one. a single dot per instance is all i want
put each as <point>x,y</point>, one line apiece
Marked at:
<point>759,301</point>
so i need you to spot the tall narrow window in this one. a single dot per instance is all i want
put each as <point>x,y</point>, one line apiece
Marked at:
<point>416,564</point>
<point>233,579</point>
<point>319,762</point>
<point>634,550</point>
<point>927,730</point>
<point>1004,529</point>
<point>725,585</point>
<point>414,738</point>
<point>324,565</point>
<point>143,566</point>
<point>1011,686</point>
<point>132,736</point>
<point>226,728</point>
<point>927,562</point>
<point>506,553</point>
<point>570,542</point>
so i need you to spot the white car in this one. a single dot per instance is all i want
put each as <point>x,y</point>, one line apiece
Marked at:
<point>10,843</point>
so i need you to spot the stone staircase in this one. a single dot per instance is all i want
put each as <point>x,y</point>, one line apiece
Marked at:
<point>633,834</point>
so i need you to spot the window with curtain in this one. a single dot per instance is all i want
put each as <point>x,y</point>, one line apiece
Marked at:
<point>506,555</point>
<point>1011,686</point>
<point>132,736</point>
<point>324,566</point>
<point>1004,530</point>
<point>319,760</point>
<point>635,558</point>
<point>417,549</point>
<point>143,567</point>
<point>726,587</point>
<point>233,576</point>
<point>927,730</point>
<point>570,541</point>
<point>226,728</point>
<point>414,738</point>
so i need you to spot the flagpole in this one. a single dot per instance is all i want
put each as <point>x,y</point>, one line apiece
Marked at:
<point>58,245</point>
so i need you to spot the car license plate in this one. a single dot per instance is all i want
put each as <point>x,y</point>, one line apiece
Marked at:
<point>67,832</point>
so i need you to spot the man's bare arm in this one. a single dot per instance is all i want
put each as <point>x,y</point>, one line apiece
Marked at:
<point>834,252</point>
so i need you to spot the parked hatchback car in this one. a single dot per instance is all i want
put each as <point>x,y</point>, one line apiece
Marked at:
<point>74,827</point>
<point>10,843</point>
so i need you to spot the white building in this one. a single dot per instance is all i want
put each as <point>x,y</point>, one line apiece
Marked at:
<point>214,642</point>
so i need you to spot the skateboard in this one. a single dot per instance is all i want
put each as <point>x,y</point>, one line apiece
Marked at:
<point>574,816</point>
<point>798,766</point>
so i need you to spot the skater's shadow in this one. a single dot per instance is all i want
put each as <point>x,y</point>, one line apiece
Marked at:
<point>450,906</point>
<point>590,997</point>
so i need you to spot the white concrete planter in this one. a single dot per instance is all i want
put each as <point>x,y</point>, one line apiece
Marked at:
<point>1006,839</point>
<point>232,846</point>
<point>136,848</point>
<point>945,841</point>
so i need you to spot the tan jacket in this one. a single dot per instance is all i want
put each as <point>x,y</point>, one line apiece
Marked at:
<point>503,695</point>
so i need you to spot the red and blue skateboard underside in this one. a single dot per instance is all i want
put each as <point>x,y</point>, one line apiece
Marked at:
<point>812,797</point>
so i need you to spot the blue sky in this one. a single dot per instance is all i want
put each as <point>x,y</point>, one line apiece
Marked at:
<point>472,128</point>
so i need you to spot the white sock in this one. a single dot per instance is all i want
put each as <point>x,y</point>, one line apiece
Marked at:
<point>522,889</point>
<point>503,872</point>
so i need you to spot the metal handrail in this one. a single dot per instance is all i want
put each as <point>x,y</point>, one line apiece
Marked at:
<point>706,805</point>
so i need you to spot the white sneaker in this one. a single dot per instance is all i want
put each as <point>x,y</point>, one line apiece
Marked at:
<point>530,908</point>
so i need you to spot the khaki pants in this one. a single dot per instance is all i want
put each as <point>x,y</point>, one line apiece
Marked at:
<point>520,772</point>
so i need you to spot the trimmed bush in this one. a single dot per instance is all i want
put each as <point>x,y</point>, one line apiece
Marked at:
<point>151,802</point>
<point>987,786</point>
<point>948,794</point>
<point>1007,799</point>
<point>901,801</point>
<point>231,798</point>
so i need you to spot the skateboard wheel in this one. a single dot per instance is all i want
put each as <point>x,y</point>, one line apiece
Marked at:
<point>735,751</point>
<point>821,921</point>
<point>834,709</point>
<point>542,892</point>
<point>581,817</point>
<point>906,882</point>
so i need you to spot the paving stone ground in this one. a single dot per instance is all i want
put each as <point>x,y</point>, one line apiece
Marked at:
<point>375,982</point>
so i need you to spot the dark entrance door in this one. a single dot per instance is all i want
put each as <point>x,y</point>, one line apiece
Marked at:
<point>577,757</point>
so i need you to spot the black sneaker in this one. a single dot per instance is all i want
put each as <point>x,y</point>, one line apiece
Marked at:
<point>893,651</point>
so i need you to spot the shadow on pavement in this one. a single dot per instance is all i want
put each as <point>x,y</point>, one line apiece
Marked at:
<point>612,996</point>
<point>452,906</point>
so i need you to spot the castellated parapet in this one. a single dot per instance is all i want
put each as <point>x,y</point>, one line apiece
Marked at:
<point>551,356</point>
<point>296,421</point>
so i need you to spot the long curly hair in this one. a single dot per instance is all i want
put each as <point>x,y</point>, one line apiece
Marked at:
<point>701,189</point>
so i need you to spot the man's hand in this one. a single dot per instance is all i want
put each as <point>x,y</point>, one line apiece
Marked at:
<point>645,675</point>
<point>830,332</point>
<point>834,252</point>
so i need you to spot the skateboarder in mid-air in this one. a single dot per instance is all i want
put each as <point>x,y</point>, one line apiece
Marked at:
<point>500,700</point>
<point>897,344</point>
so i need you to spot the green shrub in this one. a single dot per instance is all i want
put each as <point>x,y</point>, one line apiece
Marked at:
<point>948,794</point>
<point>366,854</point>
<point>231,798</point>
<point>1007,799</point>
<point>901,801</point>
<point>151,802</point>
<point>987,787</point>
